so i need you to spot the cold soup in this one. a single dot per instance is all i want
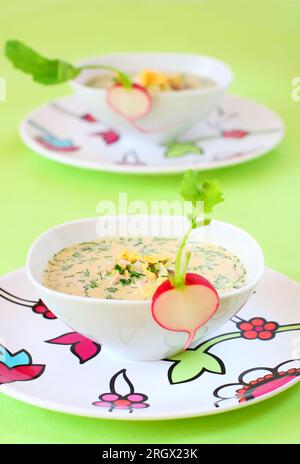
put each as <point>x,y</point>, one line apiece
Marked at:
<point>155,81</point>
<point>132,268</point>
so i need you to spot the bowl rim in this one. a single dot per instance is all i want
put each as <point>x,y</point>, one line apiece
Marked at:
<point>75,84</point>
<point>246,288</point>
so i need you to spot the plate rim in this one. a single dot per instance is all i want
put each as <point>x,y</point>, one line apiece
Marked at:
<point>30,399</point>
<point>144,170</point>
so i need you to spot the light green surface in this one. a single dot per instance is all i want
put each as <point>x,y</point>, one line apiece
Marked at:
<point>261,40</point>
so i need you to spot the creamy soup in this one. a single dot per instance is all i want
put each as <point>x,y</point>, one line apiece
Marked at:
<point>156,81</point>
<point>132,268</point>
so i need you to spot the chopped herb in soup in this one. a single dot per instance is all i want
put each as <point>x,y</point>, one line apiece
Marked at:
<point>132,268</point>
<point>156,81</point>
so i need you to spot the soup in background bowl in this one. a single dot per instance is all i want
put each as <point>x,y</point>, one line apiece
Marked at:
<point>125,327</point>
<point>172,112</point>
<point>155,82</point>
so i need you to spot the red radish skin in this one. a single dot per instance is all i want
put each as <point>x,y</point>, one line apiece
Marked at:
<point>185,309</point>
<point>131,103</point>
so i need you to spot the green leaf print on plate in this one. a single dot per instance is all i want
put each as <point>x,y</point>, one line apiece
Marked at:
<point>194,362</point>
<point>177,149</point>
<point>190,365</point>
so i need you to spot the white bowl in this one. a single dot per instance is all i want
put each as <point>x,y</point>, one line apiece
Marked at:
<point>126,328</point>
<point>172,112</point>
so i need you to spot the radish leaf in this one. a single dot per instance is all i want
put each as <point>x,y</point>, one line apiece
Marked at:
<point>42,69</point>
<point>50,72</point>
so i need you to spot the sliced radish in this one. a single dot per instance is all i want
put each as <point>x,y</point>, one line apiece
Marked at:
<point>132,103</point>
<point>185,309</point>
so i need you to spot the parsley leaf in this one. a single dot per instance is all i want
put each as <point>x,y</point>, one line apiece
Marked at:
<point>125,281</point>
<point>193,189</point>
<point>135,274</point>
<point>93,284</point>
<point>119,269</point>
<point>111,289</point>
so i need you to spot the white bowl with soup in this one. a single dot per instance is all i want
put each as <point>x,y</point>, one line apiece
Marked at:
<point>203,82</point>
<point>100,281</point>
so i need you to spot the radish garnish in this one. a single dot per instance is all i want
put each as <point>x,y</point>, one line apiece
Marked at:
<point>186,308</point>
<point>129,99</point>
<point>132,102</point>
<point>186,301</point>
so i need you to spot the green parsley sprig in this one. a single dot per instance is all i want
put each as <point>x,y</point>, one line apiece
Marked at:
<point>195,190</point>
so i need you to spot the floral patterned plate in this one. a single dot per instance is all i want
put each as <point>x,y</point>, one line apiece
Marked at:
<point>253,357</point>
<point>237,131</point>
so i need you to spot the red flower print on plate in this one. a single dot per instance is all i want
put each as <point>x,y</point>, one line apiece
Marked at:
<point>83,348</point>
<point>41,308</point>
<point>258,327</point>
<point>20,373</point>
<point>234,134</point>
<point>37,307</point>
<point>108,136</point>
<point>18,367</point>
<point>88,118</point>
<point>114,400</point>
<point>257,382</point>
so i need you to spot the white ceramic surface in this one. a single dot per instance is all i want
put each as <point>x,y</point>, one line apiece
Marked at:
<point>108,321</point>
<point>65,372</point>
<point>171,112</point>
<point>237,131</point>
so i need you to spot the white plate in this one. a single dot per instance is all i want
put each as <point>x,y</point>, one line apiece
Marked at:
<point>238,131</point>
<point>44,363</point>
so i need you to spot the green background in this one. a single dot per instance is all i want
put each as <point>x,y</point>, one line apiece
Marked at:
<point>261,41</point>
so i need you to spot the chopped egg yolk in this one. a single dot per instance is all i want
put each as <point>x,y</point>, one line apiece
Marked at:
<point>133,257</point>
<point>161,81</point>
<point>126,255</point>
